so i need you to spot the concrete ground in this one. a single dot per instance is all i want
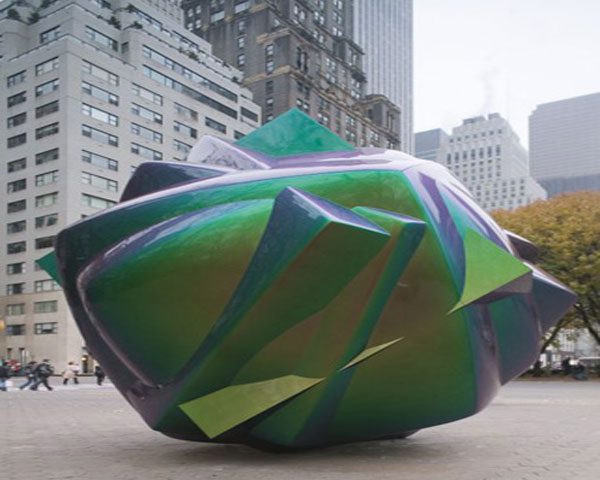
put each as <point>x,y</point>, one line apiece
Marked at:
<point>533,430</point>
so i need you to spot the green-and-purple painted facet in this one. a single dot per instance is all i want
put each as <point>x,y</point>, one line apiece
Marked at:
<point>293,291</point>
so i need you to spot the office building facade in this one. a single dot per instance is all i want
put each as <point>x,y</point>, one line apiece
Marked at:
<point>564,144</point>
<point>384,30</point>
<point>299,53</point>
<point>485,154</point>
<point>90,89</point>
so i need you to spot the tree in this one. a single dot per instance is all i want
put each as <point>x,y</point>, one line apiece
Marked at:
<point>567,231</point>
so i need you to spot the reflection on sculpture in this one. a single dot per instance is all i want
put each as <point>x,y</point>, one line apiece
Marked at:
<point>290,290</point>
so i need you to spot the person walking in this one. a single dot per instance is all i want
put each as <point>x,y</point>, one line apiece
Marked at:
<point>42,371</point>
<point>100,375</point>
<point>4,374</point>
<point>29,374</point>
<point>70,373</point>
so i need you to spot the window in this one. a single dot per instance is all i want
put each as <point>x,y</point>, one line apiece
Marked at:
<point>47,156</point>
<point>15,79</point>
<point>146,152</point>
<point>16,99</point>
<point>100,115</point>
<point>100,73</point>
<point>147,94</point>
<point>99,160</point>
<point>45,328</point>
<point>100,38</point>
<point>14,309</point>
<point>16,227</point>
<point>241,42</point>
<point>196,95</point>
<point>46,200</point>
<point>100,182</point>
<point>181,147</point>
<point>16,165</point>
<point>46,220</point>
<point>186,112</point>
<point>14,330</point>
<point>99,136</point>
<point>13,207</point>
<point>96,202</point>
<point>47,178</point>
<point>249,114</point>
<point>146,133</point>
<point>99,93</point>
<point>17,140</point>
<point>241,6</point>
<point>45,286</point>
<point>269,87</point>
<point>15,268</point>
<point>46,109</point>
<point>269,66</point>
<point>16,247</point>
<point>46,130</point>
<point>16,186</point>
<point>237,135</point>
<point>50,35</point>
<point>185,129</point>
<point>146,113</point>
<point>209,122</point>
<point>217,16</point>
<point>46,66</point>
<point>241,60</point>
<point>46,88</point>
<point>44,242</point>
<point>47,306</point>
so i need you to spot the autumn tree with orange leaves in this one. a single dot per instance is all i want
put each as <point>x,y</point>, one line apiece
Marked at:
<point>567,231</point>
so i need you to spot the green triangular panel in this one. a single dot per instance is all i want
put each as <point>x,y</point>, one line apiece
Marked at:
<point>222,410</point>
<point>48,263</point>
<point>487,268</point>
<point>369,352</point>
<point>293,133</point>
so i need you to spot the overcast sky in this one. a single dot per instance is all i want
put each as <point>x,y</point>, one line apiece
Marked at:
<point>506,56</point>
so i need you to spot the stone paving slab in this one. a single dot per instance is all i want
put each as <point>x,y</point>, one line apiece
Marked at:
<point>533,430</point>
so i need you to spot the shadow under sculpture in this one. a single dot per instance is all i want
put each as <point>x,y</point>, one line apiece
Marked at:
<point>290,291</point>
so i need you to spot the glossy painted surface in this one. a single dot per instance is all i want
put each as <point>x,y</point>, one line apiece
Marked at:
<point>299,299</point>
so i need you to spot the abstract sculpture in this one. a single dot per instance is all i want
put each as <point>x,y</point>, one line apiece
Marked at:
<point>291,290</point>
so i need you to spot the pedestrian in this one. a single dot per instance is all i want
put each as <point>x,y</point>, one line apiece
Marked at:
<point>70,373</point>
<point>4,374</point>
<point>29,374</point>
<point>100,375</point>
<point>42,372</point>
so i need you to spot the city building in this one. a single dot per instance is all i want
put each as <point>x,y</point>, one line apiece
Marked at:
<point>384,30</point>
<point>564,144</point>
<point>299,53</point>
<point>90,89</point>
<point>486,155</point>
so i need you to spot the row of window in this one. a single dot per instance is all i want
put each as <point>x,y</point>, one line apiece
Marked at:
<point>41,132</point>
<point>47,306</point>
<point>474,153</point>
<point>39,286</point>
<point>40,91</point>
<point>42,328</point>
<point>42,221</point>
<point>476,135</point>
<point>40,112</point>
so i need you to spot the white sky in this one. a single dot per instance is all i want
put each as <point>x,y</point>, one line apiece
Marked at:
<point>507,56</point>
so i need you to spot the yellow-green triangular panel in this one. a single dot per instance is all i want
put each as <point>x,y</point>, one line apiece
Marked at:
<point>222,410</point>
<point>487,268</point>
<point>369,352</point>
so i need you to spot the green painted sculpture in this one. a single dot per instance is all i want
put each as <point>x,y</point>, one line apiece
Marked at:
<point>291,291</point>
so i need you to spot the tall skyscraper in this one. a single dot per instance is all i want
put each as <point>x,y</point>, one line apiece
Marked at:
<point>384,30</point>
<point>299,53</point>
<point>564,144</point>
<point>486,155</point>
<point>89,90</point>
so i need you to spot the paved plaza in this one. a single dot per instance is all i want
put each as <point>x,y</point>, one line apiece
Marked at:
<point>533,430</point>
